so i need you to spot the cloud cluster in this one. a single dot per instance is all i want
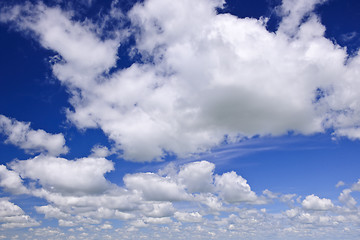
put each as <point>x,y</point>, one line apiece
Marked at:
<point>203,77</point>
<point>188,199</point>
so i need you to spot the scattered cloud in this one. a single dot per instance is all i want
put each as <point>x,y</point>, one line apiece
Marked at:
<point>34,141</point>
<point>12,216</point>
<point>340,184</point>
<point>188,92</point>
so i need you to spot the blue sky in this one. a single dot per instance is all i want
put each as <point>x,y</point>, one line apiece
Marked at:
<point>179,119</point>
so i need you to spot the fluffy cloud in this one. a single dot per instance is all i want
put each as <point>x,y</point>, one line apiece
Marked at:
<point>12,216</point>
<point>20,134</point>
<point>234,188</point>
<point>356,186</point>
<point>293,13</point>
<point>204,77</point>
<point>188,217</point>
<point>158,202</point>
<point>83,54</point>
<point>154,187</point>
<point>197,176</point>
<point>84,175</point>
<point>11,181</point>
<point>313,202</point>
<point>346,198</point>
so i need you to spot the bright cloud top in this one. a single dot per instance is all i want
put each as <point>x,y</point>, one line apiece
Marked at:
<point>204,77</point>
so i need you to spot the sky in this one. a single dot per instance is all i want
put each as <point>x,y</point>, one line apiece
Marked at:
<point>180,119</point>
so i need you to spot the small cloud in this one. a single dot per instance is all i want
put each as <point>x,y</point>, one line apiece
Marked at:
<point>315,203</point>
<point>340,184</point>
<point>348,36</point>
<point>21,135</point>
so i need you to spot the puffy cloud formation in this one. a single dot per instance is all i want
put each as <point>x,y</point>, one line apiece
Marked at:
<point>198,176</point>
<point>59,174</point>
<point>234,188</point>
<point>20,134</point>
<point>154,187</point>
<point>313,202</point>
<point>293,13</point>
<point>11,181</point>
<point>206,204</point>
<point>12,216</point>
<point>203,77</point>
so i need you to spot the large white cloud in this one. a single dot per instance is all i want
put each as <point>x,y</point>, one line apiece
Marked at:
<point>203,77</point>
<point>20,134</point>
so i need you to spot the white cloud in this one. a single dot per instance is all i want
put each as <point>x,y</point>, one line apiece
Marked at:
<point>293,13</point>
<point>106,226</point>
<point>100,151</point>
<point>188,217</point>
<point>234,189</point>
<point>11,181</point>
<point>340,184</point>
<point>313,202</point>
<point>84,175</point>
<point>12,216</point>
<point>356,186</point>
<point>154,187</point>
<point>20,134</point>
<point>203,76</point>
<point>346,198</point>
<point>84,54</point>
<point>197,176</point>
<point>158,210</point>
<point>153,204</point>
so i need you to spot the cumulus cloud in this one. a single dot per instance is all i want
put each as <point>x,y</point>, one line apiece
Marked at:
<point>203,77</point>
<point>20,134</point>
<point>154,187</point>
<point>12,216</point>
<point>84,175</point>
<point>150,200</point>
<point>313,202</point>
<point>11,181</point>
<point>293,13</point>
<point>346,198</point>
<point>188,217</point>
<point>197,176</point>
<point>233,188</point>
<point>356,186</point>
